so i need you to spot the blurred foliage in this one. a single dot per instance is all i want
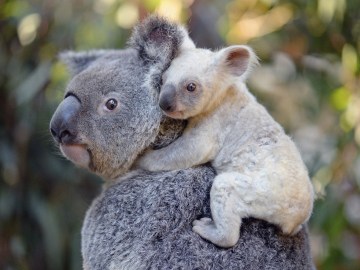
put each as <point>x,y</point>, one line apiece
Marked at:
<point>309,80</point>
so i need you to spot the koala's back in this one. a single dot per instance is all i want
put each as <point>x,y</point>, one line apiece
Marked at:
<point>249,137</point>
<point>144,222</point>
<point>255,146</point>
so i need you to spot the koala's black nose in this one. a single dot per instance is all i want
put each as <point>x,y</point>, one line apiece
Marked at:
<point>167,99</point>
<point>166,105</point>
<point>62,122</point>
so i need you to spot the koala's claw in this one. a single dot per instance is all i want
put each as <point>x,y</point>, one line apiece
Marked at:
<point>206,228</point>
<point>202,221</point>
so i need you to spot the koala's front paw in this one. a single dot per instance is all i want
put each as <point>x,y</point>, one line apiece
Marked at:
<point>143,162</point>
<point>150,161</point>
<point>207,229</point>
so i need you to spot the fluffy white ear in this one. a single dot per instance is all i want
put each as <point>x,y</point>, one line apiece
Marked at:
<point>238,60</point>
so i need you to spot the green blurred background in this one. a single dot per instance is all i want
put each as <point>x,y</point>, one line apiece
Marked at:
<point>308,79</point>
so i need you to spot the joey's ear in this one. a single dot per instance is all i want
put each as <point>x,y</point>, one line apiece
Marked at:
<point>79,61</point>
<point>238,60</point>
<point>157,39</point>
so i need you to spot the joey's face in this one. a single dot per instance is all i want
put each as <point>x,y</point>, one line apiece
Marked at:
<point>105,119</point>
<point>186,84</point>
<point>198,80</point>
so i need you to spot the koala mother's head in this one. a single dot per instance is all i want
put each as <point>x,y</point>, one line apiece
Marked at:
<point>110,114</point>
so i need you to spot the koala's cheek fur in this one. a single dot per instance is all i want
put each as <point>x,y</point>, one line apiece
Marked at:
<point>113,156</point>
<point>115,140</point>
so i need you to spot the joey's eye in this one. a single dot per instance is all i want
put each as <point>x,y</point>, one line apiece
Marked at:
<point>111,104</point>
<point>191,87</point>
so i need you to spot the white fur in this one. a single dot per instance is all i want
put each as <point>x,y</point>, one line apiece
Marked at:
<point>260,171</point>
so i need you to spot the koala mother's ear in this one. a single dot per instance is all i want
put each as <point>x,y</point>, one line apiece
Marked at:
<point>157,39</point>
<point>238,60</point>
<point>79,61</point>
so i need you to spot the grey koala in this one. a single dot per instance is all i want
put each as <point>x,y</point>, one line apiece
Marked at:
<point>142,220</point>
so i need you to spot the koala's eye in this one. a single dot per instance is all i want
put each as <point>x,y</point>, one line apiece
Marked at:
<point>111,104</point>
<point>191,87</point>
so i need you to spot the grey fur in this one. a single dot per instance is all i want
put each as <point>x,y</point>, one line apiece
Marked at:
<point>142,220</point>
<point>133,127</point>
<point>77,62</point>
<point>158,42</point>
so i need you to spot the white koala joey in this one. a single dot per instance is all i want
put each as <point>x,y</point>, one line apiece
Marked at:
<point>260,172</point>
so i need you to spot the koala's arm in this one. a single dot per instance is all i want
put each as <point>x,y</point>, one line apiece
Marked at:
<point>194,147</point>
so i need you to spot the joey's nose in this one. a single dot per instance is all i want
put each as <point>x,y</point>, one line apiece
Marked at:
<point>166,105</point>
<point>62,122</point>
<point>167,98</point>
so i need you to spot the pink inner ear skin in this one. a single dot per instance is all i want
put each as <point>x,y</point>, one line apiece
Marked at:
<point>239,54</point>
<point>238,61</point>
<point>157,35</point>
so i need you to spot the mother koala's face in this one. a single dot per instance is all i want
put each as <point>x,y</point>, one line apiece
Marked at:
<point>110,112</point>
<point>107,117</point>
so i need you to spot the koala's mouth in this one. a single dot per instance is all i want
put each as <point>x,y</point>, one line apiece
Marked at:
<point>175,114</point>
<point>76,153</point>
